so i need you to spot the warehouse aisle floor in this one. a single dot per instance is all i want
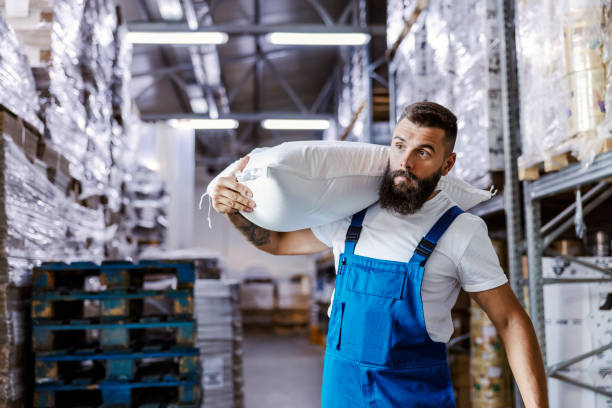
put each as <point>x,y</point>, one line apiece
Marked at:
<point>281,371</point>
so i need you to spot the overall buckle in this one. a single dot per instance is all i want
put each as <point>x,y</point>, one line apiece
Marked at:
<point>425,247</point>
<point>353,233</point>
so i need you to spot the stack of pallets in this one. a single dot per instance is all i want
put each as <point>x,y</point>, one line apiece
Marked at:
<point>103,337</point>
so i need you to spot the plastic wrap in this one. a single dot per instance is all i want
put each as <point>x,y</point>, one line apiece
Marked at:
<point>562,82</point>
<point>17,87</point>
<point>353,93</point>
<point>149,200</point>
<point>38,222</point>
<point>604,130</point>
<point>42,222</point>
<point>476,90</point>
<point>451,56</point>
<point>79,95</point>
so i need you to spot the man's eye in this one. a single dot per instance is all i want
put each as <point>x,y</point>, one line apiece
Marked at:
<point>423,153</point>
<point>399,146</point>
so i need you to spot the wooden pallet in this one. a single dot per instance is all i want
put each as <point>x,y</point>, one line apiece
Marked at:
<point>558,158</point>
<point>166,391</point>
<point>86,365</point>
<point>51,276</point>
<point>49,335</point>
<point>60,305</point>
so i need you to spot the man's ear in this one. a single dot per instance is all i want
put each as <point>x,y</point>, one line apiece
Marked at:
<point>449,162</point>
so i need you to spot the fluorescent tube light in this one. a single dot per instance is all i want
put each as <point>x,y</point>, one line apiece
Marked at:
<point>318,38</point>
<point>177,38</point>
<point>295,124</point>
<point>211,124</point>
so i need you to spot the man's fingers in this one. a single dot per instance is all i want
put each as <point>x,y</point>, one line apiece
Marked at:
<point>235,197</point>
<point>235,186</point>
<point>234,205</point>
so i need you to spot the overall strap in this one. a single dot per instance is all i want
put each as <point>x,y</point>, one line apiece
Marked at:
<point>354,230</point>
<point>429,242</point>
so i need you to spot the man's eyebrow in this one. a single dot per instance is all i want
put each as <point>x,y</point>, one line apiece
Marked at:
<point>427,146</point>
<point>398,137</point>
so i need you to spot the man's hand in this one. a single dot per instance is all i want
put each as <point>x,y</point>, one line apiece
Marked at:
<point>229,196</point>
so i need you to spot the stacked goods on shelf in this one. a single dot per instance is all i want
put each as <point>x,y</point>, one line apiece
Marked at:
<point>115,333</point>
<point>292,314</point>
<point>477,90</point>
<point>17,87</point>
<point>38,222</point>
<point>491,378</point>
<point>451,57</point>
<point>81,62</point>
<point>47,213</point>
<point>149,201</point>
<point>562,84</point>
<point>258,298</point>
<point>220,340</point>
<point>353,96</point>
<point>577,318</point>
<point>458,353</point>
<point>352,99</point>
<point>605,129</point>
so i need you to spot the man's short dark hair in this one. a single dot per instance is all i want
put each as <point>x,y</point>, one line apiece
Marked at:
<point>431,114</point>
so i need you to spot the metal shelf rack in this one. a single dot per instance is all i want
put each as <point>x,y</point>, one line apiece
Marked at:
<point>572,177</point>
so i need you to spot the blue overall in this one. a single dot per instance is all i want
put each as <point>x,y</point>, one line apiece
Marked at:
<point>379,353</point>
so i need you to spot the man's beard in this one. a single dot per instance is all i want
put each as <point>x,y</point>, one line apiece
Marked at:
<point>403,198</point>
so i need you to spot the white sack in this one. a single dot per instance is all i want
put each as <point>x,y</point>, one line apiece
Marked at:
<point>299,185</point>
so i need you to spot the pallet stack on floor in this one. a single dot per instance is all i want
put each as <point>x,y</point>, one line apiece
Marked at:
<point>102,337</point>
<point>220,340</point>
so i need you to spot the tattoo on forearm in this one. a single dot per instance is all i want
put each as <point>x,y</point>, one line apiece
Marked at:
<point>256,235</point>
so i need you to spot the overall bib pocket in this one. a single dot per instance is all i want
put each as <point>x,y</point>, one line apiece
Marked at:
<point>375,282</point>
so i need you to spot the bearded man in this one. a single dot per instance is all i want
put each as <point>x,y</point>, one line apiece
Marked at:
<point>400,266</point>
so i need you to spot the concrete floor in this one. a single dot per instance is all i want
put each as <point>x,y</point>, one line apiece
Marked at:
<point>281,371</point>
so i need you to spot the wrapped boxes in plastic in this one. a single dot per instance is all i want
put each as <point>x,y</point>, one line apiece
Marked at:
<point>220,340</point>
<point>451,56</point>
<point>38,221</point>
<point>17,86</point>
<point>605,129</point>
<point>563,84</point>
<point>71,44</point>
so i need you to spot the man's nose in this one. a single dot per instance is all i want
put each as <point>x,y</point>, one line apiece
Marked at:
<point>407,160</point>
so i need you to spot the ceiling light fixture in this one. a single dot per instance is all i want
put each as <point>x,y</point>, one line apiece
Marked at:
<point>177,37</point>
<point>332,39</point>
<point>295,124</point>
<point>204,124</point>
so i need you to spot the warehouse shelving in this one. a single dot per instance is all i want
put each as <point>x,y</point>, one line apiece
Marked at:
<point>571,177</point>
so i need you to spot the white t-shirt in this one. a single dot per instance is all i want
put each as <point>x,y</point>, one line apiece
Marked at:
<point>464,256</point>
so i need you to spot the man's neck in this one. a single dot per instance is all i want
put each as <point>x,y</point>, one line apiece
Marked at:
<point>435,193</point>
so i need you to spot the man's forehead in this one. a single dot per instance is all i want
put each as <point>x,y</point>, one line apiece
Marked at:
<point>405,129</point>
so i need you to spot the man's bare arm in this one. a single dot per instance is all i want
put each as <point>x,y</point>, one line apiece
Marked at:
<point>522,349</point>
<point>299,242</point>
<point>262,238</point>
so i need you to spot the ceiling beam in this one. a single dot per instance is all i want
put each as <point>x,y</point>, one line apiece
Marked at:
<point>322,12</point>
<point>254,29</point>
<point>181,97</point>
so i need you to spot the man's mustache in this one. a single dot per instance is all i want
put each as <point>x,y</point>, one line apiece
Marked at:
<point>404,173</point>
